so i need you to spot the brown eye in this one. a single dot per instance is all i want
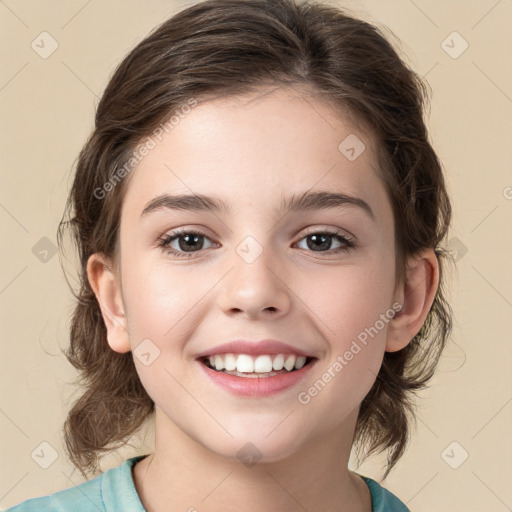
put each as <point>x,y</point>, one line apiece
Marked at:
<point>179,243</point>
<point>321,241</point>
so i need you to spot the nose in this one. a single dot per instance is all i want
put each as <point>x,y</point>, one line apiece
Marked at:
<point>255,289</point>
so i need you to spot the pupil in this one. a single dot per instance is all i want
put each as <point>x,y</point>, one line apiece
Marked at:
<point>323,245</point>
<point>187,237</point>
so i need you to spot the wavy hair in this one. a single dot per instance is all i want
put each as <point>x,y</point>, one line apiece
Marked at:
<point>220,48</point>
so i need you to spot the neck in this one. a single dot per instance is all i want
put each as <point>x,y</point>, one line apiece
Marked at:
<point>182,474</point>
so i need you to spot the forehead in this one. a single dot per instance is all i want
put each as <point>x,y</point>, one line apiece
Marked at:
<point>260,146</point>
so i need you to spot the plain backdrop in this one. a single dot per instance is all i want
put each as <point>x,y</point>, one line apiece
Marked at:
<point>458,458</point>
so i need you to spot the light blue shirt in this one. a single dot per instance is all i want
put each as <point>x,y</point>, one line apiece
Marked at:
<point>114,491</point>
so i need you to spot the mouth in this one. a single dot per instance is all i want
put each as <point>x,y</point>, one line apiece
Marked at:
<point>256,367</point>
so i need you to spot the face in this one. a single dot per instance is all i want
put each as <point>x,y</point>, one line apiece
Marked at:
<point>318,279</point>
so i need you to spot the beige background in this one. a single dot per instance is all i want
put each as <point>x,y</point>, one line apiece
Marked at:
<point>46,111</point>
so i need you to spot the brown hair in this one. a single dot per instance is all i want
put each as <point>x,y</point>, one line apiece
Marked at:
<point>219,48</point>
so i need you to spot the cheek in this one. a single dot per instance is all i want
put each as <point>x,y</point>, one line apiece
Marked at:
<point>352,299</point>
<point>354,306</point>
<point>157,300</point>
<point>355,313</point>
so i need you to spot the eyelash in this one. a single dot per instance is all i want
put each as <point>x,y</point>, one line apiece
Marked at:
<point>165,241</point>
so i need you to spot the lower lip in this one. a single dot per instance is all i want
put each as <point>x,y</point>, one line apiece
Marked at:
<point>256,387</point>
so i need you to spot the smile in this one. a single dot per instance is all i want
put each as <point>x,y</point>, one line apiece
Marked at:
<point>255,376</point>
<point>245,365</point>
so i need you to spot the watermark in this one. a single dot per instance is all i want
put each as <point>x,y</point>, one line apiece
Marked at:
<point>456,248</point>
<point>44,250</point>
<point>454,45</point>
<point>304,397</point>
<point>249,249</point>
<point>143,149</point>
<point>249,454</point>
<point>146,352</point>
<point>44,455</point>
<point>351,147</point>
<point>44,45</point>
<point>454,455</point>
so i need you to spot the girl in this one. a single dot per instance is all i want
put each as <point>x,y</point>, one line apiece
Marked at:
<point>259,216</point>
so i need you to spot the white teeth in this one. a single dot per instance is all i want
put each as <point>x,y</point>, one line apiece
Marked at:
<point>289,363</point>
<point>301,361</point>
<point>263,364</point>
<point>219,363</point>
<point>230,362</point>
<point>244,363</point>
<point>278,363</point>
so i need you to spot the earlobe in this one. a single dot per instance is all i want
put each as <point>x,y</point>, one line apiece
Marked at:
<point>106,286</point>
<point>416,295</point>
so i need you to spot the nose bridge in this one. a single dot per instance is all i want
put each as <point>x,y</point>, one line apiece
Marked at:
<point>254,284</point>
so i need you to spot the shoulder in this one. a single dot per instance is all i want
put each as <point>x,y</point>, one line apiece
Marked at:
<point>85,497</point>
<point>112,490</point>
<point>382,499</point>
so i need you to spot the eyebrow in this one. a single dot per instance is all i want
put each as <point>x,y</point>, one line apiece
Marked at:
<point>322,200</point>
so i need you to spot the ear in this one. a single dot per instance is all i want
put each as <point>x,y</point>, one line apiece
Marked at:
<point>107,287</point>
<point>416,295</point>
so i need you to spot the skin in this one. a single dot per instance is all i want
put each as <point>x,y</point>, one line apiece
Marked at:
<point>252,154</point>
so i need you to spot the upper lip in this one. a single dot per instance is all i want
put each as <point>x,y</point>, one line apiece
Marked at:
<point>253,348</point>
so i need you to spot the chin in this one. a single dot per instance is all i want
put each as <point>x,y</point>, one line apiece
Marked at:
<point>258,448</point>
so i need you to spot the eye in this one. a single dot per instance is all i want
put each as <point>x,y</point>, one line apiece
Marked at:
<point>186,242</point>
<point>319,240</point>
